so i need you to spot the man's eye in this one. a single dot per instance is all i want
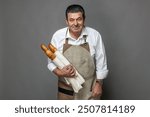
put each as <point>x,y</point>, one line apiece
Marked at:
<point>71,20</point>
<point>79,19</point>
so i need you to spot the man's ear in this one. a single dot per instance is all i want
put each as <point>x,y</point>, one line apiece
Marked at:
<point>66,21</point>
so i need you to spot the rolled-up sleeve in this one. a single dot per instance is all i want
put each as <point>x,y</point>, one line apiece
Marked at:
<point>101,60</point>
<point>51,66</point>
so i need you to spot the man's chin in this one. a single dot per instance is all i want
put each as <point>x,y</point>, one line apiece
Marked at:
<point>76,31</point>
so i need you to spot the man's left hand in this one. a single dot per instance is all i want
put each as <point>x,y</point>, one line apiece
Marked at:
<point>97,89</point>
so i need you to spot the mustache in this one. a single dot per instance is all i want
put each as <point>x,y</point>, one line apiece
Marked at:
<point>76,26</point>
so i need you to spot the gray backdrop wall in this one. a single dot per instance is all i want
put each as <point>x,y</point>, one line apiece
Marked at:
<point>0,49</point>
<point>123,24</point>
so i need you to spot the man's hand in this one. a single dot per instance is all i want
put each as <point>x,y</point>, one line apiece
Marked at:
<point>67,71</point>
<point>97,89</point>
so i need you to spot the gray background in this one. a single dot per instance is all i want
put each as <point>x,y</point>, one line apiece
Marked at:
<point>25,24</point>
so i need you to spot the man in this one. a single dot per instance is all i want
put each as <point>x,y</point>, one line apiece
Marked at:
<point>84,48</point>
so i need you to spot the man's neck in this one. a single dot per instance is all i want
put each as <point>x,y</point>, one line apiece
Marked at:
<point>75,35</point>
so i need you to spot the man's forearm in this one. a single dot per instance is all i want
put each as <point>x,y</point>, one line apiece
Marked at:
<point>58,72</point>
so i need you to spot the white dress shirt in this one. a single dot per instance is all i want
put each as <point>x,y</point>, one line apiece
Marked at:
<point>96,45</point>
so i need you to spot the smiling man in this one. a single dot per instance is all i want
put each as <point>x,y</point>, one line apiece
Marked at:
<point>84,48</point>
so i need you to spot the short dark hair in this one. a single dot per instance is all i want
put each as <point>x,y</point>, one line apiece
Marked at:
<point>74,9</point>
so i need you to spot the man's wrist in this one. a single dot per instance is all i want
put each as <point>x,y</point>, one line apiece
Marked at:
<point>100,81</point>
<point>57,72</point>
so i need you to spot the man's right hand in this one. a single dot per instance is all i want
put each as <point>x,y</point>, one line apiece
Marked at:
<point>67,71</point>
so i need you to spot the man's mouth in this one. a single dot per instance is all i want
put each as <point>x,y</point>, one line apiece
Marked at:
<point>76,28</point>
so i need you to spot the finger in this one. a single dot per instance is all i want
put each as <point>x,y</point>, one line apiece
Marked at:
<point>67,67</point>
<point>72,71</point>
<point>93,95</point>
<point>72,74</point>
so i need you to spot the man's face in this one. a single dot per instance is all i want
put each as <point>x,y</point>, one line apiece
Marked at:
<point>75,22</point>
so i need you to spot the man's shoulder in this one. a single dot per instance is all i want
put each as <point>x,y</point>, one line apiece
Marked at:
<point>61,31</point>
<point>92,30</point>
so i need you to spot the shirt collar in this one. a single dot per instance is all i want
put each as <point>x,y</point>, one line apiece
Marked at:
<point>83,33</point>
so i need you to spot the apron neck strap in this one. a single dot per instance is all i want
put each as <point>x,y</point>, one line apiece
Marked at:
<point>66,40</point>
<point>84,37</point>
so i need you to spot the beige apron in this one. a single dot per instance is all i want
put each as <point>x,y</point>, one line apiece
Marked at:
<point>79,56</point>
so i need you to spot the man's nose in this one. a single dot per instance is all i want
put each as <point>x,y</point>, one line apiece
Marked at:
<point>75,22</point>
